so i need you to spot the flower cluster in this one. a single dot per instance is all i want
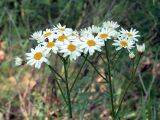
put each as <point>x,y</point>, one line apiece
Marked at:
<point>71,43</point>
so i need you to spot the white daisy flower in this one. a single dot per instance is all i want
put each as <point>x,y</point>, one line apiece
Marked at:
<point>71,49</point>
<point>94,30</point>
<point>123,43</point>
<point>73,36</point>
<point>140,48</point>
<point>37,56</point>
<point>61,38</point>
<point>18,61</point>
<point>48,33</point>
<point>50,46</point>
<point>131,35</point>
<point>116,34</point>
<point>105,34</point>
<point>110,25</point>
<point>62,29</point>
<point>85,32</point>
<point>37,36</point>
<point>91,44</point>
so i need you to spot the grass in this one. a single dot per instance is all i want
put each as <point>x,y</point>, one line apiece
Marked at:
<point>23,88</point>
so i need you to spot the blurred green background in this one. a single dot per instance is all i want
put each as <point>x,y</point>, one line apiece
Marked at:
<point>21,89</point>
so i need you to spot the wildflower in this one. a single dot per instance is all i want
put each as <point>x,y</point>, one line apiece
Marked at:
<point>105,34</point>
<point>50,46</point>
<point>37,56</point>
<point>116,34</point>
<point>37,36</point>
<point>18,61</point>
<point>110,25</point>
<point>71,49</point>
<point>123,43</point>
<point>48,33</point>
<point>94,30</point>
<point>131,35</point>
<point>62,29</point>
<point>74,36</point>
<point>140,48</point>
<point>61,38</point>
<point>85,32</point>
<point>131,55</point>
<point>91,44</point>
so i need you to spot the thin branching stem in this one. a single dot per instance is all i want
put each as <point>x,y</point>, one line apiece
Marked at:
<point>59,86</point>
<point>115,55</point>
<point>67,87</point>
<point>100,55</point>
<point>115,59</point>
<point>76,78</point>
<point>129,84</point>
<point>56,73</point>
<point>96,69</point>
<point>110,82</point>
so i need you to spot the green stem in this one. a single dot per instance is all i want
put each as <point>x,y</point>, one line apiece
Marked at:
<point>125,92</point>
<point>110,82</point>
<point>138,63</point>
<point>67,88</point>
<point>61,91</point>
<point>115,59</point>
<point>59,86</point>
<point>111,91</point>
<point>96,70</point>
<point>56,73</point>
<point>104,62</point>
<point>76,78</point>
<point>129,84</point>
<point>114,56</point>
<point>100,55</point>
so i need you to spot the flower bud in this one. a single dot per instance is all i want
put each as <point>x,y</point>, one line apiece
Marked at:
<point>18,61</point>
<point>131,55</point>
<point>141,48</point>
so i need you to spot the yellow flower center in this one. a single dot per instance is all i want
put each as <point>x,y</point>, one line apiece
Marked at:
<point>110,26</point>
<point>62,38</point>
<point>61,29</point>
<point>91,43</point>
<point>124,43</point>
<point>103,35</point>
<point>47,34</point>
<point>73,34</point>
<point>50,44</point>
<point>38,55</point>
<point>129,34</point>
<point>71,47</point>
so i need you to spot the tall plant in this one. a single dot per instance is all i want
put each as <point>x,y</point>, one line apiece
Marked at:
<point>69,44</point>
